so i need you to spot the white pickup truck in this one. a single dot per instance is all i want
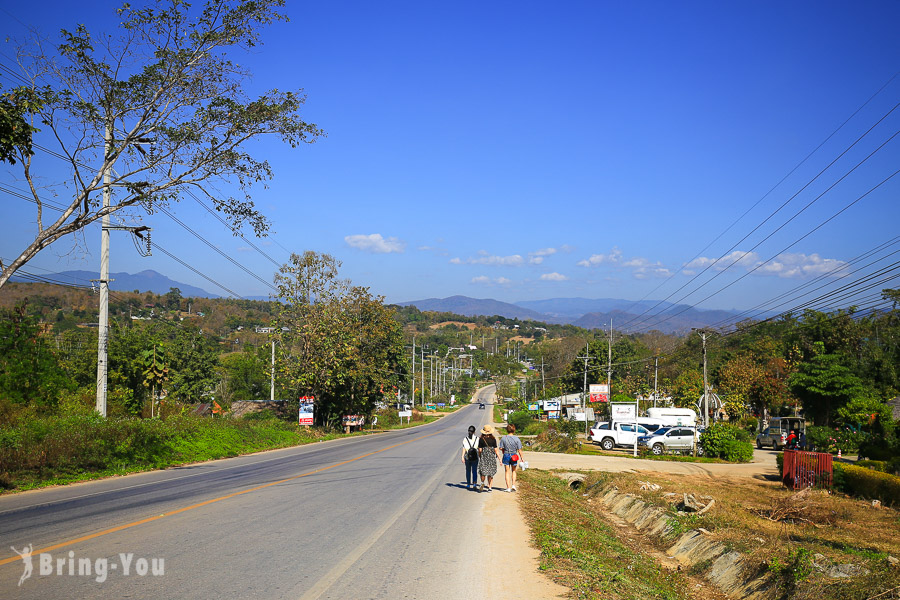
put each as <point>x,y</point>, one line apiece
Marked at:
<point>619,434</point>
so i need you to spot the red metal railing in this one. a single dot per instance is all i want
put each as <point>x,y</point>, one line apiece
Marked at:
<point>806,469</point>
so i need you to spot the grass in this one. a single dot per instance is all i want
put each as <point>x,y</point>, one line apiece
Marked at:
<point>57,450</point>
<point>583,553</point>
<point>843,530</point>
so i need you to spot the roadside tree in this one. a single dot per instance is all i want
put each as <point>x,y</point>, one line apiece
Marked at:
<point>159,109</point>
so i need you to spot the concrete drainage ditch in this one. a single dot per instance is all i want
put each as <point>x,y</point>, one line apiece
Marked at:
<point>726,569</point>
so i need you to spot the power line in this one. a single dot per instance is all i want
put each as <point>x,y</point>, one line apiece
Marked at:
<point>819,174</point>
<point>773,188</point>
<point>789,246</point>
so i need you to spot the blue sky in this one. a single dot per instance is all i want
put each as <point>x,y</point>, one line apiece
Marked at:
<point>521,150</point>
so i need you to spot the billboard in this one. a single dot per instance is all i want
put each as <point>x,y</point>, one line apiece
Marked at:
<point>623,412</point>
<point>599,392</point>
<point>307,410</point>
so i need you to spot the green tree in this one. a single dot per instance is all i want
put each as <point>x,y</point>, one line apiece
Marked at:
<point>338,343</point>
<point>824,384</point>
<point>173,298</point>
<point>193,358</point>
<point>247,376</point>
<point>161,107</point>
<point>30,374</point>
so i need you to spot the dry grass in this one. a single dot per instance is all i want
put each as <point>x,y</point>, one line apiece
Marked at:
<point>767,522</point>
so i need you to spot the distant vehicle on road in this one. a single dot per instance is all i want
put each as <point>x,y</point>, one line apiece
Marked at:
<point>617,434</point>
<point>778,431</point>
<point>670,439</point>
<point>481,406</point>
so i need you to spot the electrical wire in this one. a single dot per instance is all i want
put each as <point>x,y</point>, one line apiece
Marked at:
<point>783,205</point>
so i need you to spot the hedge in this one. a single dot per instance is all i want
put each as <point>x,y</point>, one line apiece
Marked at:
<point>873,485</point>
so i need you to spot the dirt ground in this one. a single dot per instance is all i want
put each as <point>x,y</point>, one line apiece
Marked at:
<point>506,529</point>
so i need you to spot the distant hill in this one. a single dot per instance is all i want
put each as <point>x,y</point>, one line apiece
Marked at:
<point>470,307</point>
<point>677,319</point>
<point>145,281</point>
<point>627,315</point>
<point>572,309</point>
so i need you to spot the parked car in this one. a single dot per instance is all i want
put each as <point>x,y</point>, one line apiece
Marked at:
<point>670,439</point>
<point>617,434</point>
<point>776,434</point>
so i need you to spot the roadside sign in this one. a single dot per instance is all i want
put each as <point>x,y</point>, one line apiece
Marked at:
<point>533,406</point>
<point>442,404</point>
<point>551,405</point>
<point>307,410</point>
<point>623,412</point>
<point>599,392</point>
<point>553,414</point>
<point>430,407</point>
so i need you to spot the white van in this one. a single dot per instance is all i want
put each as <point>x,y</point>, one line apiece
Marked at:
<point>673,416</point>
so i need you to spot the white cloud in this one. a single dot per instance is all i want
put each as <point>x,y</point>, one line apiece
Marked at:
<point>375,243</point>
<point>535,260</point>
<point>787,265</point>
<point>484,258</point>
<point>485,280</point>
<point>802,265</point>
<point>554,277</point>
<point>738,257</point>
<point>613,258</point>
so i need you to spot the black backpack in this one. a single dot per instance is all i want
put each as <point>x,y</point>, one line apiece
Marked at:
<point>471,453</point>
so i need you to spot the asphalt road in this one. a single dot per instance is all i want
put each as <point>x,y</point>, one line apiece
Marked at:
<point>381,516</point>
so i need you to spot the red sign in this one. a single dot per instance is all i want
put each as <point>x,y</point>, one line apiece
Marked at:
<point>306,410</point>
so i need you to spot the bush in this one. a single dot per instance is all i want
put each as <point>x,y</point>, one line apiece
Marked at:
<point>736,451</point>
<point>521,419</point>
<point>875,465</point>
<point>571,429</point>
<point>873,485</point>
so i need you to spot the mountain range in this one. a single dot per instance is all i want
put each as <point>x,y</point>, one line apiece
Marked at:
<point>626,315</point>
<point>145,281</point>
<point>589,313</point>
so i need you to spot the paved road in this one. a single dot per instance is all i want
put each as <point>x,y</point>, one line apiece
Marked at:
<point>370,517</point>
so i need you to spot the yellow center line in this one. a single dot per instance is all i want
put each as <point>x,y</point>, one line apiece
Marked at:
<point>91,536</point>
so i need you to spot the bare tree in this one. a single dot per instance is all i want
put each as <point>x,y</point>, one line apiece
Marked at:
<point>146,114</point>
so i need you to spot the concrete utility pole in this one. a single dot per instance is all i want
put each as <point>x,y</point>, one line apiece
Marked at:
<point>586,358</point>
<point>412,381</point>
<point>103,321</point>
<point>655,380</point>
<point>705,384</point>
<point>609,362</point>
<point>272,386</point>
<point>422,365</point>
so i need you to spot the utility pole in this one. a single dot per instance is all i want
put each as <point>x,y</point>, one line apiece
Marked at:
<point>586,358</point>
<point>272,386</point>
<point>543,382</point>
<point>609,361</point>
<point>103,321</point>
<point>655,380</point>
<point>412,384</point>
<point>705,384</point>
<point>422,365</point>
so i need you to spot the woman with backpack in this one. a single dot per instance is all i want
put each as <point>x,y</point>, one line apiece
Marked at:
<point>470,458</point>
<point>488,455</point>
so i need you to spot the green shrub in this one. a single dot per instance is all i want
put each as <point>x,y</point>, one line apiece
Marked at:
<point>521,419</point>
<point>875,465</point>
<point>735,451</point>
<point>571,429</point>
<point>387,417</point>
<point>723,439</point>
<point>873,485</point>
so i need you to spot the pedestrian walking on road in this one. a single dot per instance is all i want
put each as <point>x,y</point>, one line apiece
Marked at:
<point>470,458</point>
<point>511,447</point>
<point>488,455</point>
